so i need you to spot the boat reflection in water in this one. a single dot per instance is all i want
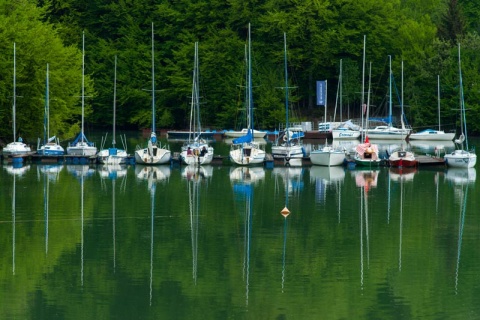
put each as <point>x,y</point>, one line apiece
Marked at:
<point>402,173</point>
<point>195,176</point>
<point>243,180</point>
<point>194,172</point>
<point>152,173</point>
<point>461,176</point>
<point>113,172</point>
<point>366,180</point>
<point>324,178</point>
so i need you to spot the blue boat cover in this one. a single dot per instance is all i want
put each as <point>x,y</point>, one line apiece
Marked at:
<point>244,139</point>
<point>79,137</point>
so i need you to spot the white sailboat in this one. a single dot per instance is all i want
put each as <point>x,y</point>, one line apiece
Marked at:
<point>153,154</point>
<point>461,157</point>
<point>81,146</point>
<point>289,143</point>
<point>432,134</point>
<point>327,156</point>
<point>15,147</point>
<point>51,145</point>
<point>196,151</point>
<point>244,150</point>
<point>113,155</point>
<point>389,131</point>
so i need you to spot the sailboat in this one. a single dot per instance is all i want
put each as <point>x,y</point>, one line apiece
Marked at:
<point>113,155</point>
<point>389,131</point>
<point>196,151</point>
<point>153,154</point>
<point>366,153</point>
<point>15,147</point>
<point>402,158</point>
<point>51,146</point>
<point>288,144</point>
<point>432,134</point>
<point>81,146</point>
<point>461,158</point>
<point>244,150</point>
<point>327,156</point>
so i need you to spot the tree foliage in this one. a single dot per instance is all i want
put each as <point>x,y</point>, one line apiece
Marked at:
<point>319,34</point>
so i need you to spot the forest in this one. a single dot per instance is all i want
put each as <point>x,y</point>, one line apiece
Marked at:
<point>424,36</point>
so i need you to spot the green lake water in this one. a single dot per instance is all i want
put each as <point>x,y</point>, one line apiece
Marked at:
<point>136,242</point>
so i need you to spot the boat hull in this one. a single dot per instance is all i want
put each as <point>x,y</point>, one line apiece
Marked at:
<point>236,134</point>
<point>327,157</point>
<point>112,156</point>
<point>16,148</point>
<point>287,152</point>
<point>432,135</point>
<point>153,156</point>
<point>345,134</point>
<point>460,159</point>
<point>402,159</point>
<point>247,154</point>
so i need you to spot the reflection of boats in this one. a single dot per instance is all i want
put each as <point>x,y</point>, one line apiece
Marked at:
<point>244,150</point>
<point>327,174</point>
<point>17,170</point>
<point>245,174</point>
<point>402,174</point>
<point>461,176</point>
<point>80,170</point>
<point>112,171</point>
<point>196,151</point>
<point>432,147</point>
<point>192,172</point>
<point>153,154</point>
<point>157,173</point>
<point>366,178</point>
<point>461,157</point>
<point>288,144</point>
<point>293,176</point>
<point>52,171</point>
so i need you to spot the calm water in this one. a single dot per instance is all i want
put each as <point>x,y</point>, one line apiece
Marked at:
<point>96,242</point>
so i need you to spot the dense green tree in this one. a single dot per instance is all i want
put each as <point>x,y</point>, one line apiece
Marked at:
<point>37,44</point>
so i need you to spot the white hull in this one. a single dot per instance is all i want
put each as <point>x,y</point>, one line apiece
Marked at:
<point>197,159</point>
<point>247,154</point>
<point>432,135</point>
<point>105,156</point>
<point>81,149</point>
<point>235,134</point>
<point>287,152</point>
<point>327,157</point>
<point>345,134</point>
<point>14,148</point>
<point>152,156</point>
<point>51,149</point>
<point>388,133</point>
<point>461,159</point>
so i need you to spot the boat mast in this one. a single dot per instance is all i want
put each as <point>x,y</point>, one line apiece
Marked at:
<point>286,87</point>
<point>47,111</point>
<point>438,102</point>
<point>153,83</point>
<point>463,120</point>
<point>390,92</point>
<point>197,91</point>
<point>14,94</point>
<point>83,84</point>
<point>364,125</point>
<point>341,85</point>
<point>250,96</point>
<point>114,101</point>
